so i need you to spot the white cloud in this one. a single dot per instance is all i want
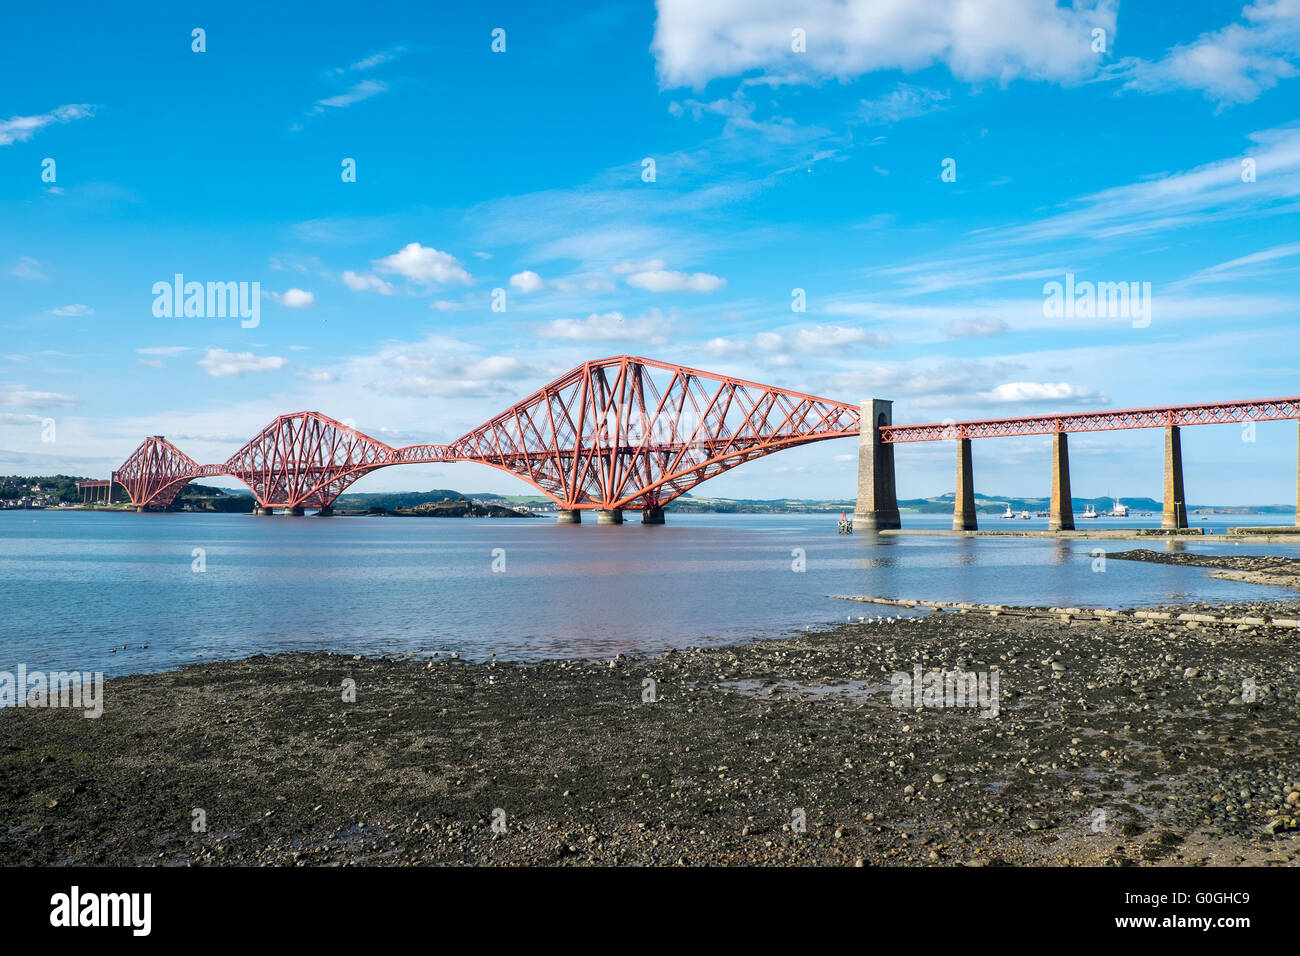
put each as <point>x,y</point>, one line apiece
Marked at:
<point>28,268</point>
<point>8,418</point>
<point>220,363</point>
<point>1248,266</point>
<point>297,299</point>
<point>363,90</point>
<point>1232,65</point>
<point>446,305</point>
<point>19,129</point>
<point>724,348</point>
<point>168,351</point>
<point>652,329</point>
<point>424,264</point>
<point>696,41</point>
<point>362,283</point>
<point>829,338</point>
<point>974,328</point>
<point>70,310</point>
<point>436,368</point>
<point>1013,392</point>
<point>650,265</point>
<point>662,280</point>
<point>20,396</point>
<point>904,102</point>
<point>526,281</point>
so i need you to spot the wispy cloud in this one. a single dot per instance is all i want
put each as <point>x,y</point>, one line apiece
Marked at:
<point>1229,66</point>
<point>220,363</point>
<point>19,129</point>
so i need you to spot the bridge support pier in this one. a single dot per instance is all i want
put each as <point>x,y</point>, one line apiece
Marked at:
<point>568,516</point>
<point>652,516</point>
<point>139,509</point>
<point>326,512</point>
<point>1060,515</point>
<point>263,510</point>
<point>963,511</point>
<point>295,511</point>
<point>877,506</point>
<point>1175,504</point>
<point>609,516</point>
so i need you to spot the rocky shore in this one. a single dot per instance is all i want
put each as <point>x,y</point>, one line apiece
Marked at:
<point>1253,568</point>
<point>1115,742</point>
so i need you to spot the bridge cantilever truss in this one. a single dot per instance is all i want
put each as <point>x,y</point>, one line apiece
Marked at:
<point>629,432</point>
<point>621,432</point>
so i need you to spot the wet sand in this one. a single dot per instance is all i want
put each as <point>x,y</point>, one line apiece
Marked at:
<point>1116,742</point>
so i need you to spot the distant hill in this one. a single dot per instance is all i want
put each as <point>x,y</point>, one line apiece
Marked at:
<point>392,500</point>
<point>62,488</point>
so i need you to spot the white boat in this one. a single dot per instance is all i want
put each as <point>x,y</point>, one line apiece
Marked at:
<point>1023,516</point>
<point>1090,512</point>
<point>1008,513</point>
<point>1118,509</point>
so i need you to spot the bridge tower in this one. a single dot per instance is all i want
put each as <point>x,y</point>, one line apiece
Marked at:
<point>877,507</point>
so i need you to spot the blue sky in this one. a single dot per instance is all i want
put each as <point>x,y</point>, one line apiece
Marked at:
<point>775,170</point>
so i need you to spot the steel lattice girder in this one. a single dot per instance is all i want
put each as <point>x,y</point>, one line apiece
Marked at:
<point>613,433</point>
<point>155,472</point>
<point>630,432</point>
<point>305,459</point>
<point>622,432</point>
<point>1258,410</point>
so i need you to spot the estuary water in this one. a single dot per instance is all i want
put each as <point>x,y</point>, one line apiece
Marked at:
<point>89,591</point>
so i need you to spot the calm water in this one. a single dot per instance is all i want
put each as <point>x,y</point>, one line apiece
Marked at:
<point>74,585</point>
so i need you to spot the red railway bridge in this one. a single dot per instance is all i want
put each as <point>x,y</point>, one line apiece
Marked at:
<point>634,433</point>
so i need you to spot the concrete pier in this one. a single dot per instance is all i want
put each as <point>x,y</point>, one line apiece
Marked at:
<point>877,507</point>
<point>1060,515</point>
<point>568,516</point>
<point>963,509</point>
<point>652,516</point>
<point>297,511</point>
<point>1175,513</point>
<point>326,512</point>
<point>260,510</point>
<point>611,516</point>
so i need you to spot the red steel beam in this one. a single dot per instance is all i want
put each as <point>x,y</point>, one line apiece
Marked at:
<point>607,434</point>
<point>1254,410</point>
<point>587,440</point>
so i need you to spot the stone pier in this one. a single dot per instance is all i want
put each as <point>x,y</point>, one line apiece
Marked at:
<point>295,511</point>
<point>652,516</point>
<point>568,516</point>
<point>1060,515</point>
<point>609,516</point>
<point>1175,513</point>
<point>326,512</point>
<point>963,509</point>
<point>877,507</point>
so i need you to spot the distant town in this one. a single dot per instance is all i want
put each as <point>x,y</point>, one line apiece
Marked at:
<point>61,492</point>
